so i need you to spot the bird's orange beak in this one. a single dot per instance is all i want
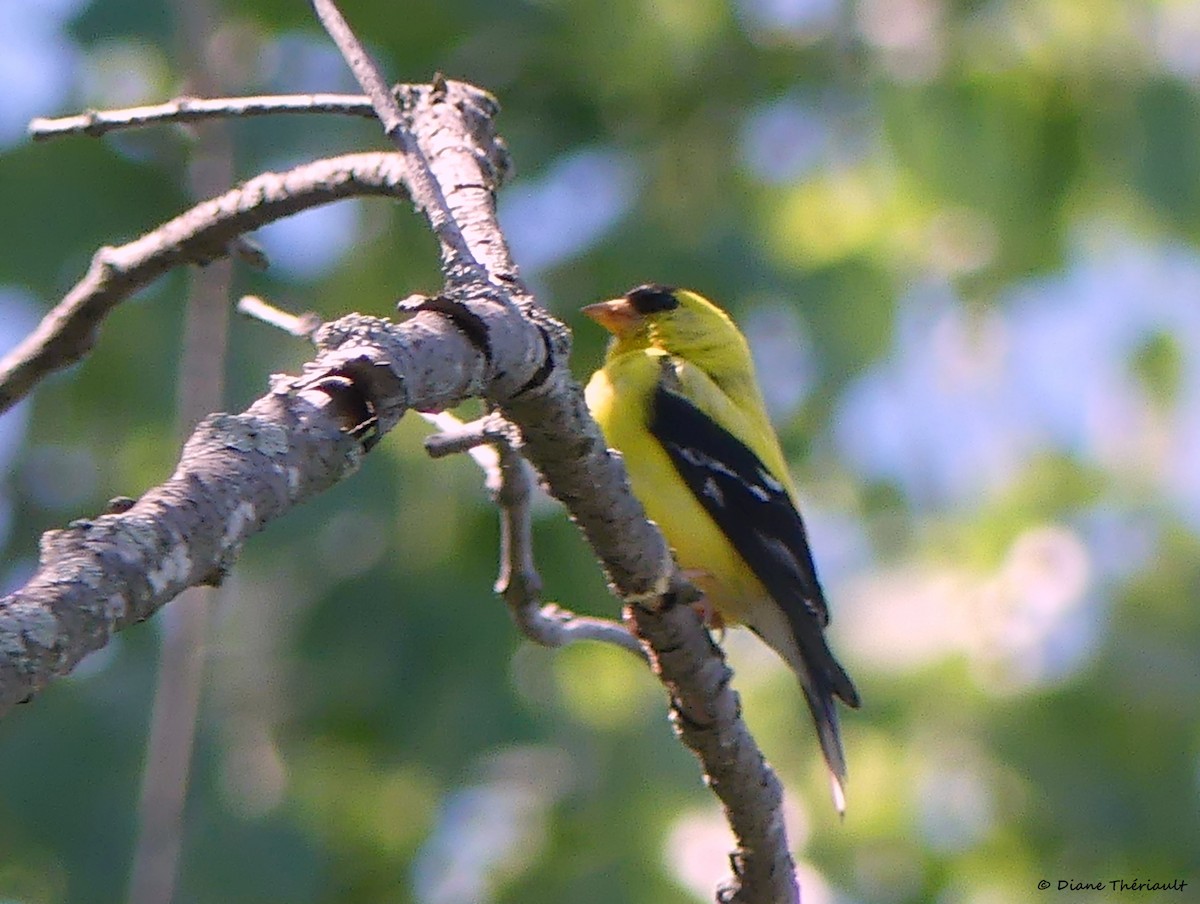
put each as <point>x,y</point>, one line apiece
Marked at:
<point>617,316</point>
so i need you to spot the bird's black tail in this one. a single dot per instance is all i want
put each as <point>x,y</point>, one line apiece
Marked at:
<point>822,678</point>
<point>825,717</point>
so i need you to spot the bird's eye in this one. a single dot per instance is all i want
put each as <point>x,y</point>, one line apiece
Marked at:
<point>652,299</point>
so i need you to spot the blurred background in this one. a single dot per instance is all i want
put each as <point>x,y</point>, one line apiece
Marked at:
<point>962,237</point>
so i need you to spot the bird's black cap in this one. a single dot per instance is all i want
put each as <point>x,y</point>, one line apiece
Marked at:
<point>652,298</point>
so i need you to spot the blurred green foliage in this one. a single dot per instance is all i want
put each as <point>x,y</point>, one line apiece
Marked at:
<point>962,236</point>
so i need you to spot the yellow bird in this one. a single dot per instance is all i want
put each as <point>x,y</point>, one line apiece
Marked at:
<point>678,398</point>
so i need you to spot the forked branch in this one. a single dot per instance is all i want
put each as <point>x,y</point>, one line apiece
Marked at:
<point>480,336</point>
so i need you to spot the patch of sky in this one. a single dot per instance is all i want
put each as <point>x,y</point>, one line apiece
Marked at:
<point>783,355</point>
<point>785,139</point>
<point>955,803</point>
<point>1174,36</point>
<point>38,62</point>
<point>964,400</point>
<point>18,317</point>
<point>1035,621</point>
<point>309,244</point>
<point>1075,342</point>
<point>305,63</point>
<point>581,197</point>
<point>937,417</point>
<point>769,21</point>
<point>492,830</point>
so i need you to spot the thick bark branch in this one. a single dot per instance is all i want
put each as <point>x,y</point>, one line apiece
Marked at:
<point>236,473</point>
<point>707,714</point>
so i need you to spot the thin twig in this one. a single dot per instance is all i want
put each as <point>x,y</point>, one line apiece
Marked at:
<point>479,438</point>
<point>511,480</point>
<point>426,192</point>
<point>95,123</point>
<point>302,326</point>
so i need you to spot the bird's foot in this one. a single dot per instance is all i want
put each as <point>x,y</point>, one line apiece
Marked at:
<point>706,610</point>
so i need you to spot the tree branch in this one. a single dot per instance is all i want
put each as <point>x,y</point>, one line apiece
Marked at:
<point>236,473</point>
<point>214,229</point>
<point>493,444</point>
<point>198,236</point>
<point>707,715</point>
<point>96,123</point>
<point>426,192</point>
<point>482,336</point>
<point>511,480</point>
<point>552,414</point>
<point>302,326</point>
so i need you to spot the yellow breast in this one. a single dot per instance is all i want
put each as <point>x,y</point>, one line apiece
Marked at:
<point>619,398</point>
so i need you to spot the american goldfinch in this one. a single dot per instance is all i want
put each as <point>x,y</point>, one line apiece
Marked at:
<point>678,398</point>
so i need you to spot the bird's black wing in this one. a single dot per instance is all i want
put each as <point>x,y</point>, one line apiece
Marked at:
<point>754,511</point>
